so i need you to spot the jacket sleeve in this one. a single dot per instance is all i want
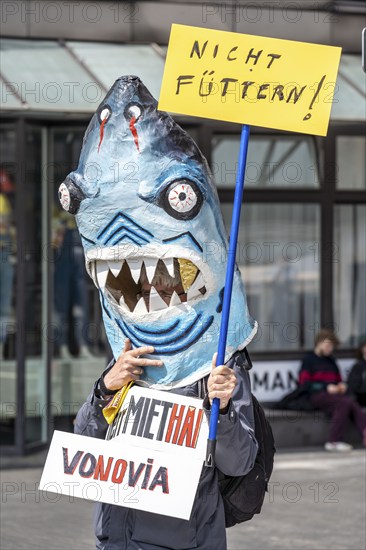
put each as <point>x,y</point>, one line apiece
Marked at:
<point>236,447</point>
<point>90,420</point>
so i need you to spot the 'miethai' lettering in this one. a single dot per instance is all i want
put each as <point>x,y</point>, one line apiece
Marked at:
<point>159,420</point>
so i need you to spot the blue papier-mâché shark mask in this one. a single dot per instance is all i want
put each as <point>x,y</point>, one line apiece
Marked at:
<point>144,197</point>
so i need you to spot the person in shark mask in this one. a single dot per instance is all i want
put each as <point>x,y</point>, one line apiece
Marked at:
<point>154,240</point>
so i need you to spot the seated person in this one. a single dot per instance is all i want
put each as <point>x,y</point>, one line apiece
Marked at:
<point>320,376</point>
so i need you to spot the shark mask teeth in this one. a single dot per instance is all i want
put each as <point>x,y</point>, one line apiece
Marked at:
<point>143,286</point>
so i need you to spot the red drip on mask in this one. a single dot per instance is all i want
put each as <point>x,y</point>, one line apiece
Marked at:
<point>134,132</point>
<point>101,135</point>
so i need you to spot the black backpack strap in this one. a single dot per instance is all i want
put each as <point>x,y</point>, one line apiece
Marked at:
<point>249,363</point>
<point>242,359</point>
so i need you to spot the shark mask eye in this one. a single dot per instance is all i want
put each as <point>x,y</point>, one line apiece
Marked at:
<point>70,196</point>
<point>133,111</point>
<point>182,200</point>
<point>104,114</point>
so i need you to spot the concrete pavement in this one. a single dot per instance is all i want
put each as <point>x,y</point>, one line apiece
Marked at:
<point>316,501</point>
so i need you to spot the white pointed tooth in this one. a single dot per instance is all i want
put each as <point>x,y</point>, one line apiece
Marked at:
<point>150,265</point>
<point>141,307</point>
<point>122,301</point>
<point>156,301</point>
<point>174,300</point>
<point>115,266</point>
<point>194,291</point>
<point>135,267</point>
<point>102,273</point>
<point>93,273</point>
<point>169,263</point>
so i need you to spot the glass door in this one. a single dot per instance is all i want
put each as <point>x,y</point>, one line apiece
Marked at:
<point>79,343</point>
<point>8,262</point>
<point>32,268</point>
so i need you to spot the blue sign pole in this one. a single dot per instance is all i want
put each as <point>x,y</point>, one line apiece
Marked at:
<point>239,188</point>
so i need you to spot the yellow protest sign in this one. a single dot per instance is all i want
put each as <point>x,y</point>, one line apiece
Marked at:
<point>248,79</point>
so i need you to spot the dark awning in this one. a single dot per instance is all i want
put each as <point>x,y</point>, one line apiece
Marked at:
<point>73,77</point>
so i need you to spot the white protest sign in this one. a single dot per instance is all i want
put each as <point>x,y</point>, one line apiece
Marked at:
<point>153,463</point>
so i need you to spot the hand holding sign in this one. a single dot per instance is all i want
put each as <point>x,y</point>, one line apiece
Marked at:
<point>129,366</point>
